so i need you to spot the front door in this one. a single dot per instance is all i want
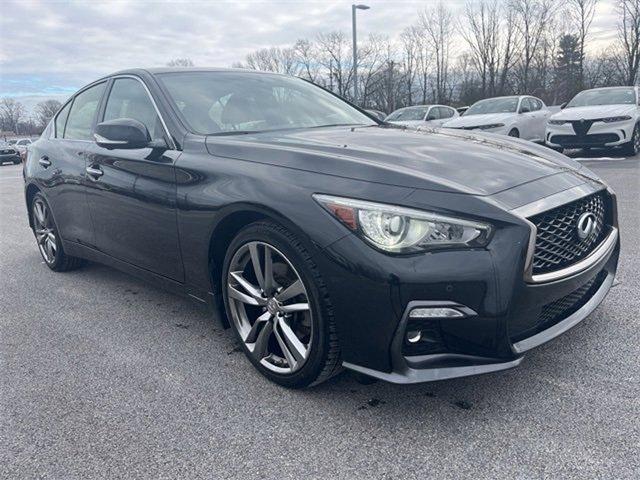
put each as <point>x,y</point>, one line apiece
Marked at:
<point>132,193</point>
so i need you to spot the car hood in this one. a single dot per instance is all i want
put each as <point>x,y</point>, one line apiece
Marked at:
<point>594,112</point>
<point>477,120</point>
<point>433,159</point>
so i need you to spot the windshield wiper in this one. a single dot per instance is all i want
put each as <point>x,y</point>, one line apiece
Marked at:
<point>235,132</point>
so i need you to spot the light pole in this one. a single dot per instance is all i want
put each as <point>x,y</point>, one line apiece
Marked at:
<point>355,49</point>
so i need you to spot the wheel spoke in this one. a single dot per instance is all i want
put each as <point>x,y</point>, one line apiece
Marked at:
<point>295,346</point>
<point>252,336</point>
<point>285,349</point>
<point>243,297</point>
<point>293,290</point>
<point>251,289</point>
<point>41,237</point>
<point>295,307</point>
<point>261,346</point>
<point>255,260</point>
<point>269,282</point>
<point>38,210</point>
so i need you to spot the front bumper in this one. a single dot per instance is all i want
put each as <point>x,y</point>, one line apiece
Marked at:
<point>600,134</point>
<point>503,306</point>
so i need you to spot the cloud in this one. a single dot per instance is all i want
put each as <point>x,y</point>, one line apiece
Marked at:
<point>52,47</point>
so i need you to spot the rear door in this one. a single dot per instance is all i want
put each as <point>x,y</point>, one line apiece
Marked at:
<point>132,193</point>
<point>60,164</point>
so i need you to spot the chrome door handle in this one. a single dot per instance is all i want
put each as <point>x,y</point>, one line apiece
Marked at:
<point>94,172</point>
<point>44,161</point>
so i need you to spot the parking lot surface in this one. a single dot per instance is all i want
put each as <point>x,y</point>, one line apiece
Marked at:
<point>103,376</point>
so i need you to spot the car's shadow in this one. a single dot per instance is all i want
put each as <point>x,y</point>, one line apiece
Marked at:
<point>613,153</point>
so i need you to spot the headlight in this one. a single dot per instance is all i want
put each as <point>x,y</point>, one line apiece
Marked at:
<point>490,126</point>
<point>404,230</point>
<point>616,119</point>
<point>557,122</point>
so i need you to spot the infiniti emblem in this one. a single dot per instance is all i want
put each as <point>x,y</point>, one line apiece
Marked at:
<point>586,225</point>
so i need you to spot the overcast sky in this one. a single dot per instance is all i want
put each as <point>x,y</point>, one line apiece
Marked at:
<point>53,47</point>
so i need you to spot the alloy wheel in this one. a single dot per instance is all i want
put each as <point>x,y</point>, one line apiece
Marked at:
<point>270,307</point>
<point>636,140</point>
<point>44,230</point>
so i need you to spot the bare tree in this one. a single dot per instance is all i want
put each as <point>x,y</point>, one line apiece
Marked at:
<point>45,111</point>
<point>336,58</point>
<point>629,40</point>
<point>11,114</point>
<point>581,13</point>
<point>532,17</point>
<point>437,25</point>
<point>273,59</point>
<point>180,62</point>
<point>306,54</point>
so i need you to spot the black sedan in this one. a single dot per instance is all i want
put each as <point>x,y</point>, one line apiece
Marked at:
<point>8,153</point>
<point>326,239</point>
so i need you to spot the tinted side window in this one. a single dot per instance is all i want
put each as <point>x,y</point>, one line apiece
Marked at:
<point>434,114</point>
<point>83,111</point>
<point>535,104</point>
<point>129,99</point>
<point>525,105</point>
<point>61,119</point>
<point>446,112</point>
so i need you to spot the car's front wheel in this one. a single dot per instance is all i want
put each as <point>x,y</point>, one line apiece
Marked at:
<point>632,148</point>
<point>49,243</point>
<point>278,306</point>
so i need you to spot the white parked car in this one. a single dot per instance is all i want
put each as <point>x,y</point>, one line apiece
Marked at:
<point>602,117</point>
<point>21,146</point>
<point>518,116</point>
<point>422,115</point>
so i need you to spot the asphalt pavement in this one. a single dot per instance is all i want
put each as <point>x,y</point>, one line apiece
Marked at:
<point>104,376</point>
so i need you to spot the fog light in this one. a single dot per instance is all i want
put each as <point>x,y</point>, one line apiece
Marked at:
<point>435,312</point>
<point>414,336</point>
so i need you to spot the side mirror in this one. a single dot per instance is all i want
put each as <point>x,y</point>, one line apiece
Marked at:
<point>525,110</point>
<point>563,105</point>
<point>125,133</point>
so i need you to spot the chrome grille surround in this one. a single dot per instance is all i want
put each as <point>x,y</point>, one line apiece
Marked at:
<point>557,244</point>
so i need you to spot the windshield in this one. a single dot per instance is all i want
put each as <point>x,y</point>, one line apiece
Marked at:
<point>493,105</point>
<point>227,103</point>
<point>404,114</point>
<point>606,96</point>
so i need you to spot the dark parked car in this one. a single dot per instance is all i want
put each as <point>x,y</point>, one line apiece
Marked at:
<point>327,239</point>
<point>8,154</point>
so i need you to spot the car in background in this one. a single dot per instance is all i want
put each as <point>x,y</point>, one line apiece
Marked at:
<point>601,117</point>
<point>422,115</point>
<point>8,154</point>
<point>519,116</point>
<point>22,145</point>
<point>461,110</point>
<point>377,114</point>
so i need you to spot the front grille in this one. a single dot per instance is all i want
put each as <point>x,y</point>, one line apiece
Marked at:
<point>557,242</point>
<point>562,308</point>
<point>595,139</point>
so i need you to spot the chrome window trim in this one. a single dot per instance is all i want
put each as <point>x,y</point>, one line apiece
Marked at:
<point>549,203</point>
<point>172,144</point>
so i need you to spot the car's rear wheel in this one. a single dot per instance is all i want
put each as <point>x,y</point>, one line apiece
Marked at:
<point>278,306</point>
<point>514,133</point>
<point>49,243</point>
<point>632,148</point>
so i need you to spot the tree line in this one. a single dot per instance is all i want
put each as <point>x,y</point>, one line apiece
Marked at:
<point>490,48</point>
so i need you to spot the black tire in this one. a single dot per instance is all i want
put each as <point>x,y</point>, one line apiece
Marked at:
<point>323,360</point>
<point>17,162</point>
<point>61,261</point>
<point>632,148</point>
<point>514,133</point>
